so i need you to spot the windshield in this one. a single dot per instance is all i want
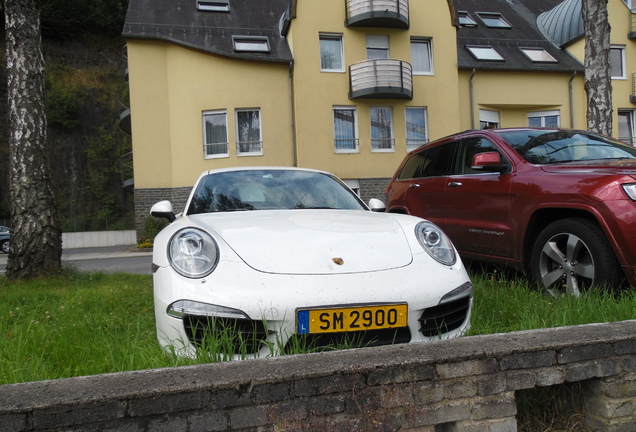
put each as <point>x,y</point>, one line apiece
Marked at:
<point>559,146</point>
<point>271,189</point>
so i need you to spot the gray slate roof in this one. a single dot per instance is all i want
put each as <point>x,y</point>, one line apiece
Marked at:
<point>525,32</point>
<point>180,22</point>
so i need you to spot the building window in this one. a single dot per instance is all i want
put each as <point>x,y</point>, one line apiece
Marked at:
<point>421,56</point>
<point>377,47</point>
<point>345,130</point>
<point>544,119</point>
<point>488,119</point>
<point>626,132</point>
<point>538,55</point>
<point>485,53</point>
<point>416,128</point>
<point>493,20</point>
<point>213,6</point>
<point>354,185</point>
<point>251,43</point>
<point>248,132</point>
<point>464,19</point>
<point>617,62</point>
<point>381,129</point>
<point>215,134</point>
<point>331,54</point>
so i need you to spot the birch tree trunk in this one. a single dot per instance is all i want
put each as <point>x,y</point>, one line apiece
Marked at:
<point>598,73</point>
<point>36,237</point>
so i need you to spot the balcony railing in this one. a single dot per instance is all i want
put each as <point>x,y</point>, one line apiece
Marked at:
<point>381,79</point>
<point>377,13</point>
<point>632,96</point>
<point>632,25</point>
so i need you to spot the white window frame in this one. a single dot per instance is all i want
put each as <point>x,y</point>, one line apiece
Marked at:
<point>495,19</point>
<point>255,147</point>
<point>332,37</point>
<point>413,143</point>
<point>206,145</point>
<point>250,43</point>
<point>213,5</point>
<point>538,55</point>
<point>420,41</point>
<point>542,115</point>
<point>620,49</point>
<point>354,185</point>
<point>489,118</point>
<point>355,139</point>
<point>379,144</point>
<point>465,20</point>
<point>484,52</point>
<point>627,130</point>
<point>378,47</point>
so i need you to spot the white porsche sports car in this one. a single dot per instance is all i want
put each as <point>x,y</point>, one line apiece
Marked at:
<point>266,261</point>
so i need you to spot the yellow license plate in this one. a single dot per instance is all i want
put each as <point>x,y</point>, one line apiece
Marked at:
<point>358,318</point>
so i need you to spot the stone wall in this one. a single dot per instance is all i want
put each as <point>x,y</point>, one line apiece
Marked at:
<point>466,384</point>
<point>145,198</point>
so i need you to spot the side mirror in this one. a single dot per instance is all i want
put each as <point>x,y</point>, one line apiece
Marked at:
<point>376,205</point>
<point>489,162</point>
<point>163,209</point>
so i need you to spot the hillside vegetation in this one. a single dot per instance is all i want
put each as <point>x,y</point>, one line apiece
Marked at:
<point>86,90</point>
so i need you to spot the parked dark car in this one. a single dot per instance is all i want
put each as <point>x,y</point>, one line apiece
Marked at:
<point>5,234</point>
<point>560,204</point>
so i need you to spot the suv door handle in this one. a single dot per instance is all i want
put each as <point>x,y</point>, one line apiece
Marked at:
<point>414,186</point>
<point>454,184</point>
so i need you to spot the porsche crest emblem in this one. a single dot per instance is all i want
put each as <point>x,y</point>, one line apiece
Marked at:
<point>338,261</point>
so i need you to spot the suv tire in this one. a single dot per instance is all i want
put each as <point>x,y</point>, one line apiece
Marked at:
<point>572,255</point>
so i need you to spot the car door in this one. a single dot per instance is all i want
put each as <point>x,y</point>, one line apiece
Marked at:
<point>478,203</point>
<point>424,196</point>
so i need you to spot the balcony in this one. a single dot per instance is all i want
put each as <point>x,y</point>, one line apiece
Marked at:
<point>377,13</point>
<point>124,121</point>
<point>632,96</point>
<point>632,25</point>
<point>381,79</point>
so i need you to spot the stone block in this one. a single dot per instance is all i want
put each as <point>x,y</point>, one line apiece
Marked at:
<point>467,368</point>
<point>528,360</point>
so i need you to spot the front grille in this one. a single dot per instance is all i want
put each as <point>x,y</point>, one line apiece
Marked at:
<point>233,336</point>
<point>342,340</point>
<point>445,317</point>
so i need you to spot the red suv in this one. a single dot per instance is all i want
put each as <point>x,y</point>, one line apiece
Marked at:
<point>558,203</point>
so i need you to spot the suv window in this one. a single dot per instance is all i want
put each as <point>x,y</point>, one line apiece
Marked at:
<point>431,162</point>
<point>471,147</point>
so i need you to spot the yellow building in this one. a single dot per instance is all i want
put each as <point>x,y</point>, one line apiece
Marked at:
<point>347,86</point>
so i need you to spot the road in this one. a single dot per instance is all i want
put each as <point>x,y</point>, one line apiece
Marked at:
<point>113,259</point>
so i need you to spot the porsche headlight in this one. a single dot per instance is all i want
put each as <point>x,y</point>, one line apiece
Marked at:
<point>193,253</point>
<point>435,242</point>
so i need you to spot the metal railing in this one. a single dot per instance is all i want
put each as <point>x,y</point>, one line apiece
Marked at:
<point>381,77</point>
<point>346,144</point>
<point>249,147</point>
<point>373,8</point>
<point>215,149</point>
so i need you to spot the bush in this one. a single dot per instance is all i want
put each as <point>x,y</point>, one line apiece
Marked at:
<point>151,228</point>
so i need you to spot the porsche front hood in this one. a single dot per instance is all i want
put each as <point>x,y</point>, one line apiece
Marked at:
<point>312,241</point>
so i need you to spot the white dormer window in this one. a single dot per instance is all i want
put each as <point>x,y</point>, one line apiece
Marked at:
<point>538,55</point>
<point>485,53</point>
<point>213,6</point>
<point>251,43</point>
<point>493,20</point>
<point>464,19</point>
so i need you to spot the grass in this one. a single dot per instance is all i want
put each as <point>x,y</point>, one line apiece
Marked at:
<point>93,323</point>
